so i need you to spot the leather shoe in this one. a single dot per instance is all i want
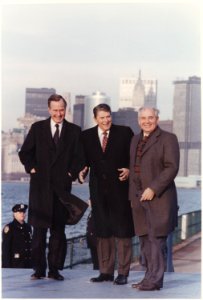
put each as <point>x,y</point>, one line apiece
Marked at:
<point>121,279</point>
<point>55,276</point>
<point>102,277</point>
<point>36,276</point>
<point>136,285</point>
<point>151,287</point>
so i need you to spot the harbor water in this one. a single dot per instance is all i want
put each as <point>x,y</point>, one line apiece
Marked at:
<point>17,192</point>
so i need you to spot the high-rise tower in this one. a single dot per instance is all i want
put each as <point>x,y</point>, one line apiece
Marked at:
<point>36,101</point>
<point>137,92</point>
<point>90,102</point>
<point>187,124</point>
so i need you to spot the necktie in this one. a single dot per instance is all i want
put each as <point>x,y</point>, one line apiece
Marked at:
<point>104,141</point>
<point>56,134</point>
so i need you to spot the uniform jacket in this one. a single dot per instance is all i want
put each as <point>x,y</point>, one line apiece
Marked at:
<point>159,166</point>
<point>52,167</point>
<point>109,196</point>
<point>16,245</point>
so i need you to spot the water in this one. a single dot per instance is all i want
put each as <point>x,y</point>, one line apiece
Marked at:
<point>17,192</point>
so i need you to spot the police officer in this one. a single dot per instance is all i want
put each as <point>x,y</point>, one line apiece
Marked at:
<point>16,240</point>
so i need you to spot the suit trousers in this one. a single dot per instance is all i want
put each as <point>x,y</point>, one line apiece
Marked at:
<point>106,249</point>
<point>153,251</point>
<point>57,247</point>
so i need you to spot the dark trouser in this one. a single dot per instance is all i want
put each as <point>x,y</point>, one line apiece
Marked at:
<point>57,243</point>
<point>94,256</point>
<point>106,249</point>
<point>152,249</point>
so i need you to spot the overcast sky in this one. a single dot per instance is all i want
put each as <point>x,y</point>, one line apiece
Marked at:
<point>84,47</point>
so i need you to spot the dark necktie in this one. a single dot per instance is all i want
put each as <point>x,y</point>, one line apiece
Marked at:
<point>104,141</point>
<point>56,134</point>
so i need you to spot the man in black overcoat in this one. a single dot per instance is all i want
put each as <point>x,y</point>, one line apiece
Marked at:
<point>16,240</point>
<point>106,149</point>
<point>154,164</point>
<point>51,154</point>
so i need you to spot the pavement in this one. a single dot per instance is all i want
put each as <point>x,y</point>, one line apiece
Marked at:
<point>184,283</point>
<point>186,256</point>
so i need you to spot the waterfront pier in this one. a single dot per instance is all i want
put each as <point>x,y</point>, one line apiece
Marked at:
<point>184,283</point>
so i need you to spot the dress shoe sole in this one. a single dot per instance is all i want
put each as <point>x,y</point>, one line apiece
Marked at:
<point>56,278</point>
<point>119,283</point>
<point>101,280</point>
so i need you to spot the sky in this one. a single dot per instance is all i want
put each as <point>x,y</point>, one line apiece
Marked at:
<point>81,47</point>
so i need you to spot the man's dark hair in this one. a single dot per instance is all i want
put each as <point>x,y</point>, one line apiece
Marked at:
<point>56,98</point>
<point>101,106</point>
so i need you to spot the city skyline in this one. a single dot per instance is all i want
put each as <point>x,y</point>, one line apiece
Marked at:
<point>84,47</point>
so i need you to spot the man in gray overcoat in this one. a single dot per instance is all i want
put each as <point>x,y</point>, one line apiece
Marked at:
<point>154,163</point>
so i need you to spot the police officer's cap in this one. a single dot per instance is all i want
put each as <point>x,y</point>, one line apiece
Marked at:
<point>19,207</point>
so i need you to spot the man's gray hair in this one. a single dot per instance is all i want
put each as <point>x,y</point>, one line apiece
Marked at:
<point>143,108</point>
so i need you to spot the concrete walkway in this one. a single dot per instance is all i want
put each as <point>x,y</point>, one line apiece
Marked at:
<point>16,283</point>
<point>184,283</point>
<point>187,255</point>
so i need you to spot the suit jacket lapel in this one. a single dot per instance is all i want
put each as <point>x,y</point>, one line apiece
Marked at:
<point>136,141</point>
<point>152,140</point>
<point>111,138</point>
<point>47,134</point>
<point>96,140</point>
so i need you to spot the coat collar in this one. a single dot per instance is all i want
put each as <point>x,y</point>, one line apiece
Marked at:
<point>112,133</point>
<point>152,139</point>
<point>48,136</point>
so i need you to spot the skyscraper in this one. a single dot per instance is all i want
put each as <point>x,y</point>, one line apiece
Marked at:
<point>187,124</point>
<point>90,102</point>
<point>126,117</point>
<point>36,101</point>
<point>137,92</point>
<point>78,110</point>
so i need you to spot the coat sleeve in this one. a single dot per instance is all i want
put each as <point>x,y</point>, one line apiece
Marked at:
<point>170,161</point>
<point>78,160</point>
<point>6,247</point>
<point>27,151</point>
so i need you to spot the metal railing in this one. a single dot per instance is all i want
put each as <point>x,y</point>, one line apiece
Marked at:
<point>188,225</point>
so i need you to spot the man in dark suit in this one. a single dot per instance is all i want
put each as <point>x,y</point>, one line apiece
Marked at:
<point>51,155</point>
<point>16,240</point>
<point>154,163</point>
<point>106,149</point>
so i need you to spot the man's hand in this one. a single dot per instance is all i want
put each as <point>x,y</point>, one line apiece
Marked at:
<point>83,174</point>
<point>124,173</point>
<point>147,195</point>
<point>32,171</point>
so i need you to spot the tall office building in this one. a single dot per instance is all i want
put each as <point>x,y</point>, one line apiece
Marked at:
<point>36,101</point>
<point>78,110</point>
<point>126,117</point>
<point>187,124</point>
<point>136,92</point>
<point>90,102</point>
<point>69,115</point>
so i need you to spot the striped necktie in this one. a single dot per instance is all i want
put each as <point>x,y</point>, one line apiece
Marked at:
<point>104,140</point>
